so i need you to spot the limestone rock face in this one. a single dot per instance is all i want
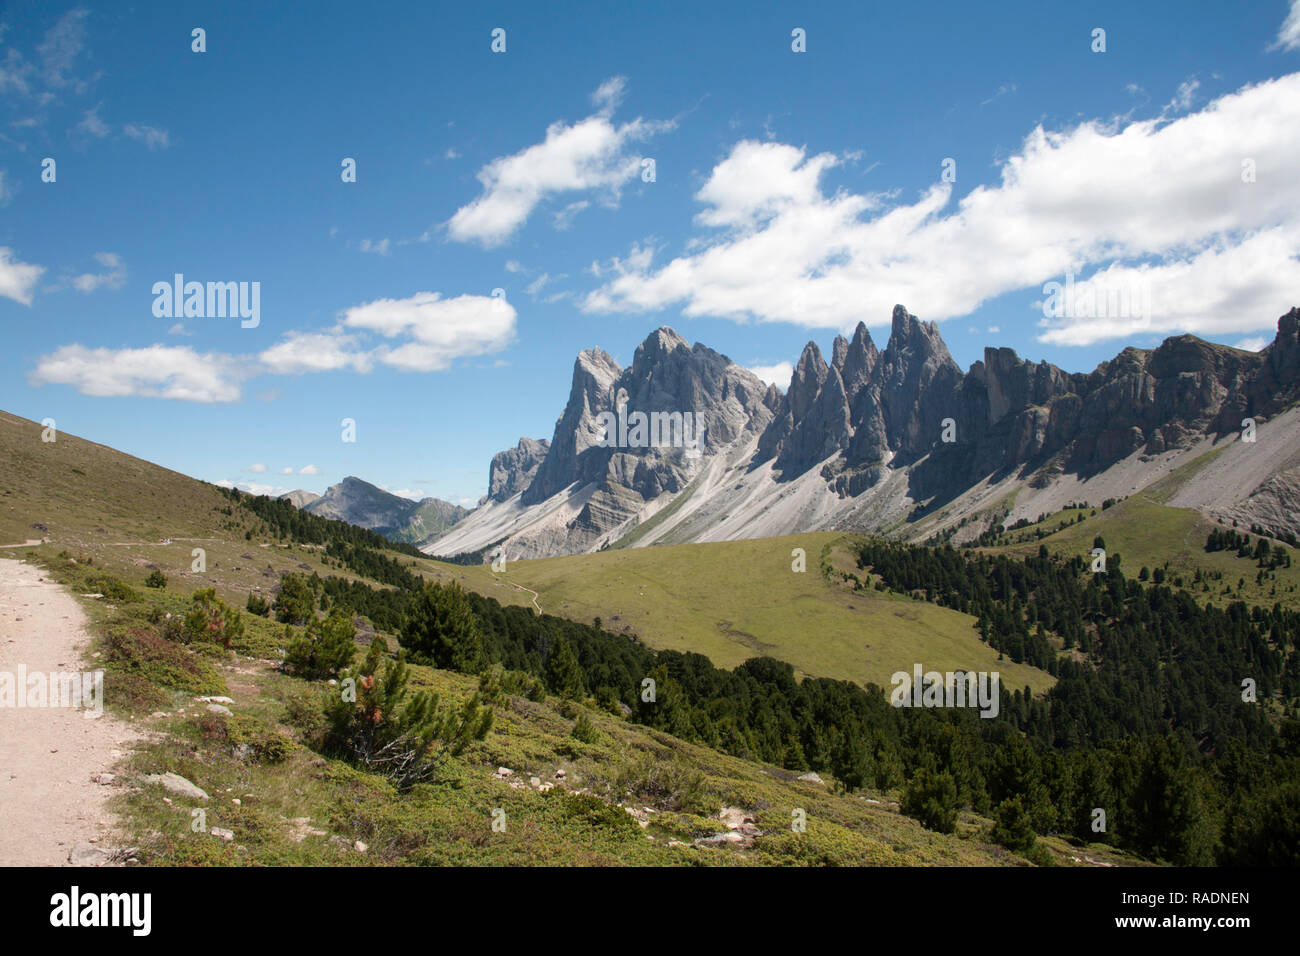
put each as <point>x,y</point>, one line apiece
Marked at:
<point>513,470</point>
<point>634,434</point>
<point>861,441</point>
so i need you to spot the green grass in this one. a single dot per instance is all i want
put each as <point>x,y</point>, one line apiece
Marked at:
<point>738,599</point>
<point>1145,532</point>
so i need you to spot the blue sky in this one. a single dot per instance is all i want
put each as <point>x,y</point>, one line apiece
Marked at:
<point>794,193</point>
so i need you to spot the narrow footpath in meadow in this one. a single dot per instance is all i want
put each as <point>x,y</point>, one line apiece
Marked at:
<point>53,806</point>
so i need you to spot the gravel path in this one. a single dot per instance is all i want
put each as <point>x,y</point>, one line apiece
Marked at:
<point>49,756</point>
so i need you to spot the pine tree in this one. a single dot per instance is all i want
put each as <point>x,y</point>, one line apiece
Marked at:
<point>323,649</point>
<point>404,736</point>
<point>440,629</point>
<point>563,673</point>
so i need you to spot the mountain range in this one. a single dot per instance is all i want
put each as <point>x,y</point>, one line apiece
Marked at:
<point>361,503</point>
<point>898,441</point>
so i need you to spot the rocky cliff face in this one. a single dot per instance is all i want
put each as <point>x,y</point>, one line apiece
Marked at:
<point>639,432</point>
<point>513,470</point>
<point>906,420</point>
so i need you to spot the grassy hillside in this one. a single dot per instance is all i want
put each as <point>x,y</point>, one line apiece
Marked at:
<point>623,793</point>
<point>738,599</point>
<point>1147,532</point>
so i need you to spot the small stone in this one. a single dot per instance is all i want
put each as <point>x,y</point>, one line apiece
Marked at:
<point>360,847</point>
<point>219,709</point>
<point>175,783</point>
<point>223,834</point>
<point>83,854</point>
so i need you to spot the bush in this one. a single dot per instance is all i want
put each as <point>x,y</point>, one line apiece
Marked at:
<point>156,579</point>
<point>114,590</point>
<point>584,730</point>
<point>258,605</point>
<point>931,799</point>
<point>324,649</point>
<point>401,735</point>
<point>211,620</point>
<point>1012,827</point>
<point>440,629</point>
<point>295,603</point>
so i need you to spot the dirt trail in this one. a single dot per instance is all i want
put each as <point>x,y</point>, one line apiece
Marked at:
<point>49,801</point>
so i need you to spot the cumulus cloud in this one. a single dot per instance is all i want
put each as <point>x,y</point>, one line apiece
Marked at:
<point>157,371</point>
<point>309,470</point>
<point>114,278</point>
<point>778,374</point>
<point>423,333</point>
<point>1166,197</point>
<point>17,279</point>
<point>256,469</point>
<point>326,351</point>
<point>436,330</point>
<point>593,155</point>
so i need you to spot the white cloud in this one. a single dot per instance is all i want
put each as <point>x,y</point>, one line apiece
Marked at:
<point>157,371</point>
<point>381,246</point>
<point>778,374</point>
<point>1184,98</point>
<point>92,125</point>
<point>151,136</point>
<point>63,42</point>
<point>1163,195</point>
<point>328,351</point>
<point>309,470</point>
<point>609,94</point>
<point>1253,344</point>
<point>286,471</point>
<point>424,333</point>
<point>256,469</point>
<point>414,495</point>
<point>253,487</point>
<point>1288,36</point>
<point>438,330</point>
<point>591,155</point>
<point>564,218</point>
<point>114,278</point>
<point>17,279</point>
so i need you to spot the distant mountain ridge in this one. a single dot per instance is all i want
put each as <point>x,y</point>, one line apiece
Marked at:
<point>900,440</point>
<point>400,519</point>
